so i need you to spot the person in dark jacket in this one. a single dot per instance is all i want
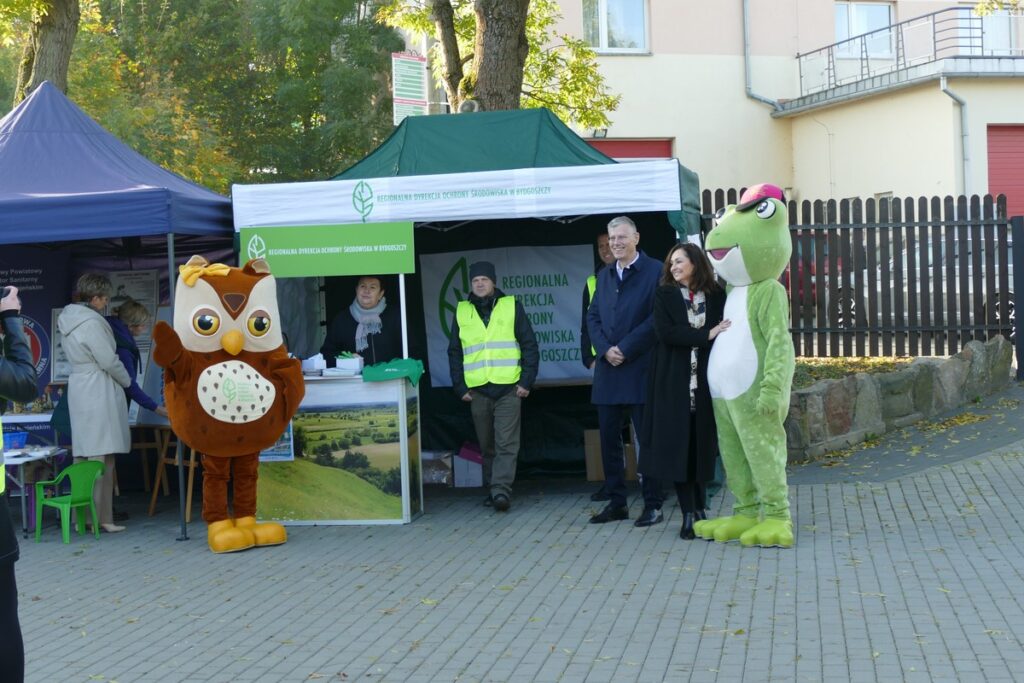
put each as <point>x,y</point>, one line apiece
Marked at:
<point>131,320</point>
<point>369,328</point>
<point>493,359</point>
<point>621,325</point>
<point>678,437</point>
<point>17,383</point>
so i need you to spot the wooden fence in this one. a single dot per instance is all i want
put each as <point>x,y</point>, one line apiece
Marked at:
<point>895,277</point>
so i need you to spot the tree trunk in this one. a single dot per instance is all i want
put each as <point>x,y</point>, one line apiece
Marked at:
<point>500,54</point>
<point>444,19</point>
<point>48,54</point>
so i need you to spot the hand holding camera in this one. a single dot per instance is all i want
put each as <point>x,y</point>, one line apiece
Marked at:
<point>9,300</point>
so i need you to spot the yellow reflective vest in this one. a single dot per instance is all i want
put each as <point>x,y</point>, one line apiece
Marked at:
<point>591,288</point>
<point>490,353</point>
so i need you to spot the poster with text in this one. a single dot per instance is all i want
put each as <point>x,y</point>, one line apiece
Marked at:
<point>142,286</point>
<point>548,281</point>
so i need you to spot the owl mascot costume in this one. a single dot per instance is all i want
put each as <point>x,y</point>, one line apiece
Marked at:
<point>750,371</point>
<point>230,388</point>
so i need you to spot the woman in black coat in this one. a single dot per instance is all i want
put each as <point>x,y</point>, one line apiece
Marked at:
<point>678,440</point>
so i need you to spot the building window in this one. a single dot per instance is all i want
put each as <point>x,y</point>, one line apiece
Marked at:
<point>615,26</point>
<point>857,18</point>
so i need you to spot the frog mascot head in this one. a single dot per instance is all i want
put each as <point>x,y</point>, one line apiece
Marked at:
<point>750,371</point>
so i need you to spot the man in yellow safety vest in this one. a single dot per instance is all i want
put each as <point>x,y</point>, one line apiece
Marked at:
<point>17,383</point>
<point>493,360</point>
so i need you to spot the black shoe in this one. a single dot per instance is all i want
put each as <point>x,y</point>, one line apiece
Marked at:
<point>649,517</point>
<point>120,516</point>
<point>488,501</point>
<point>600,495</point>
<point>610,514</point>
<point>501,502</point>
<point>686,533</point>
<point>700,515</point>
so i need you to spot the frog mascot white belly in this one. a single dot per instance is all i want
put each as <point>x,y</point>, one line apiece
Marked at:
<point>750,371</point>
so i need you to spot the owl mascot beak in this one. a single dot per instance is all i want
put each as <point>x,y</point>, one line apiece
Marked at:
<point>233,342</point>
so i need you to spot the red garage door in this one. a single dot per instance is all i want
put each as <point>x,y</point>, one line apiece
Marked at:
<point>634,148</point>
<point>1006,166</point>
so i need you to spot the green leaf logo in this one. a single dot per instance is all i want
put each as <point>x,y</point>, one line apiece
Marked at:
<point>362,199</point>
<point>229,389</point>
<point>454,290</point>
<point>256,248</point>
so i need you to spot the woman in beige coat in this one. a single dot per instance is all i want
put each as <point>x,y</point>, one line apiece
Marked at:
<point>99,414</point>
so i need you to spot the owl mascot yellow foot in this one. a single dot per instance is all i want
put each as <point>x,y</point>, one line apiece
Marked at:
<point>230,388</point>
<point>750,371</point>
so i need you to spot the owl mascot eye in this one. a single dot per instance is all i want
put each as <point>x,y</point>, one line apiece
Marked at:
<point>230,388</point>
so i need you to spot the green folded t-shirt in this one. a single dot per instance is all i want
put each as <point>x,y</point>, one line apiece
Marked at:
<point>394,369</point>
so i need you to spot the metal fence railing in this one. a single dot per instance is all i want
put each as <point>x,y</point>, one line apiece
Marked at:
<point>953,32</point>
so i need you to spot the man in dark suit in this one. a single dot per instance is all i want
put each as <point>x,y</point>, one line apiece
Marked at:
<point>621,325</point>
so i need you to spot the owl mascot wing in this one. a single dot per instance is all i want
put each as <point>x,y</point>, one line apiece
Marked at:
<point>230,388</point>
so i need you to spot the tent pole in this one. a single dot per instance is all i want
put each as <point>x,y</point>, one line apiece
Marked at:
<point>178,451</point>
<point>405,331</point>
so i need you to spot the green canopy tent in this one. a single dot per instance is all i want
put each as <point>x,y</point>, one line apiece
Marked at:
<point>495,141</point>
<point>423,173</point>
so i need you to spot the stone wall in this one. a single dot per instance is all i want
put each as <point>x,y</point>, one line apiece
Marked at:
<point>836,413</point>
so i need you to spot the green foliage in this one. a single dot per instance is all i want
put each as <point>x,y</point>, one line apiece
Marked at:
<point>989,6</point>
<point>354,461</point>
<point>561,72</point>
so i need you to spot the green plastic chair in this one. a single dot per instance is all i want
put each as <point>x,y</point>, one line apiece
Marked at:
<point>83,476</point>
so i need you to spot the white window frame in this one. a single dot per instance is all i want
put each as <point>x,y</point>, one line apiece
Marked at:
<point>850,7</point>
<point>602,30</point>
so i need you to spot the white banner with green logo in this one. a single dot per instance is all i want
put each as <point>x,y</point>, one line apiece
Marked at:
<point>313,250</point>
<point>548,281</point>
<point>517,193</point>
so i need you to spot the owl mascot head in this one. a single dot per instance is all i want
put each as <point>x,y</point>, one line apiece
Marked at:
<point>230,388</point>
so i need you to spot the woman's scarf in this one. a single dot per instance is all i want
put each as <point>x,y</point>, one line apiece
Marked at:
<point>696,310</point>
<point>368,319</point>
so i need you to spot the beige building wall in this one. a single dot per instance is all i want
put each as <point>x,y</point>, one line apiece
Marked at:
<point>906,142</point>
<point>990,101</point>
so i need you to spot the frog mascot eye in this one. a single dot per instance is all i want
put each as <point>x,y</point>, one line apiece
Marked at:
<point>750,369</point>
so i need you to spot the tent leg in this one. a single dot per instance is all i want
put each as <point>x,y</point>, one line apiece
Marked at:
<point>405,331</point>
<point>177,457</point>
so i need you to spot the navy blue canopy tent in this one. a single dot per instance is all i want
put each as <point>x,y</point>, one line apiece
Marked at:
<point>64,178</point>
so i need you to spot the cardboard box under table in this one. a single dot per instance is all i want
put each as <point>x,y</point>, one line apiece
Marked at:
<point>592,451</point>
<point>352,456</point>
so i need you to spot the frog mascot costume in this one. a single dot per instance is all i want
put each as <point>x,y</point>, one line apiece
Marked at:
<point>750,371</point>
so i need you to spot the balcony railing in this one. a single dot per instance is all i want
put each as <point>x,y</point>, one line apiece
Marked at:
<point>953,32</point>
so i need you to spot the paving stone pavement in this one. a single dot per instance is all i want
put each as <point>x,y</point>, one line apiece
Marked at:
<point>914,576</point>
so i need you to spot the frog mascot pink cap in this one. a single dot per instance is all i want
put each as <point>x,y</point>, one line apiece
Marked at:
<point>750,371</point>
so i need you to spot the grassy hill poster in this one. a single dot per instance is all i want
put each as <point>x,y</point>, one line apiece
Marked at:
<point>357,457</point>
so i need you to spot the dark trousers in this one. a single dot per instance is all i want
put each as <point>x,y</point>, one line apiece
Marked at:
<point>609,418</point>
<point>12,649</point>
<point>497,429</point>
<point>692,494</point>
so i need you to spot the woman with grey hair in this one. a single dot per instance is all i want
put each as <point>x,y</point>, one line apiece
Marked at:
<point>99,413</point>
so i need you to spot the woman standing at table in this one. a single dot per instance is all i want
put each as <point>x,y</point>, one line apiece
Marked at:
<point>678,439</point>
<point>17,383</point>
<point>131,320</point>
<point>99,413</point>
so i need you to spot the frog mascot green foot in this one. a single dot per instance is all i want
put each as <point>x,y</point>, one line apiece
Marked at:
<point>724,529</point>
<point>750,370</point>
<point>769,533</point>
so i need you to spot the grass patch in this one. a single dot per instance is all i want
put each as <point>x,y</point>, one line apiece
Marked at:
<point>810,370</point>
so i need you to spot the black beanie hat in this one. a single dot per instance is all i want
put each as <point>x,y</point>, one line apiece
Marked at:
<point>485,268</point>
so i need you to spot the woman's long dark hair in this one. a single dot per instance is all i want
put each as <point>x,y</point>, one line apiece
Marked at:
<point>703,279</point>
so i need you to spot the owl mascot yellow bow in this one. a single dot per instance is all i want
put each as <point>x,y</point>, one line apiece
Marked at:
<point>190,272</point>
<point>230,388</point>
